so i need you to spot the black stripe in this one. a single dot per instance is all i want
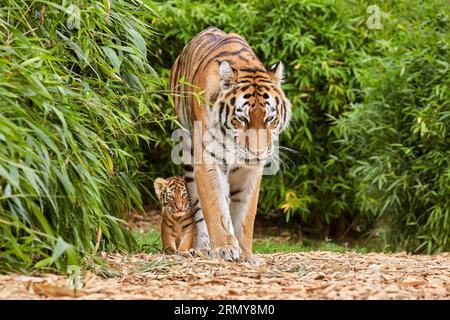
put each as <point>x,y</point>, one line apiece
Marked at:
<point>232,193</point>
<point>212,154</point>
<point>222,106</point>
<point>228,54</point>
<point>191,214</point>
<point>255,77</point>
<point>223,130</point>
<point>199,220</point>
<point>214,97</point>
<point>227,111</point>
<point>195,210</point>
<point>260,86</point>
<point>186,225</point>
<point>211,135</point>
<point>167,223</point>
<point>214,47</point>
<point>187,217</point>
<point>188,179</point>
<point>252,70</point>
<point>188,167</point>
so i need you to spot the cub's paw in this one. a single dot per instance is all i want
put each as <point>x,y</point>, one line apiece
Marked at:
<point>229,253</point>
<point>170,251</point>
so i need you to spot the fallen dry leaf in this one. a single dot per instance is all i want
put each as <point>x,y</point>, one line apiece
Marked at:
<point>50,290</point>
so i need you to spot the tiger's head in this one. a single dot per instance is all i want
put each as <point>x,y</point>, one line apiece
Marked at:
<point>173,194</point>
<point>252,108</point>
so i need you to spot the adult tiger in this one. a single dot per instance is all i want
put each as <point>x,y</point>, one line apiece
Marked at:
<point>235,110</point>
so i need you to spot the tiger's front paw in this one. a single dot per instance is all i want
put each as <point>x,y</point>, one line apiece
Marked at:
<point>229,253</point>
<point>202,253</point>
<point>251,259</point>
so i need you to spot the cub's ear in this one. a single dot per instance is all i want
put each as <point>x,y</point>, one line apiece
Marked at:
<point>277,71</point>
<point>159,184</point>
<point>227,75</point>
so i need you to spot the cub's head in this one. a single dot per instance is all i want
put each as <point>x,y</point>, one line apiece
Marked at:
<point>173,195</point>
<point>252,108</point>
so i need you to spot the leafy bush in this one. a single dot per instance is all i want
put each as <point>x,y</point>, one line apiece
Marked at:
<point>79,104</point>
<point>397,141</point>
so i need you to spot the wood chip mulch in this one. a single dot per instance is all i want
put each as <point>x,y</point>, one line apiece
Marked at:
<point>312,275</point>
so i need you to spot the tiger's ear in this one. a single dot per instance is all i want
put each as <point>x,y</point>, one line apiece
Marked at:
<point>227,75</point>
<point>159,184</point>
<point>277,71</point>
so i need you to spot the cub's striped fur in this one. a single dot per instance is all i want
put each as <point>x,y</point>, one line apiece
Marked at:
<point>223,92</point>
<point>177,220</point>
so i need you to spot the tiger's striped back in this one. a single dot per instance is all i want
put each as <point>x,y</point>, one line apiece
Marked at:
<point>204,52</point>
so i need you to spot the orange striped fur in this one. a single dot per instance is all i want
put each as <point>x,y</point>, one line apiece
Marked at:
<point>177,221</point>
<point>218,82</point>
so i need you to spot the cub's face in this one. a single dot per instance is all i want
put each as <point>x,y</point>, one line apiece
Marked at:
<point>173,195</point>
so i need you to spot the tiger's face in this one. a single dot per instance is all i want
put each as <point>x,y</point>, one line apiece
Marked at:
<point>173,194</point>
<point>252,109</point>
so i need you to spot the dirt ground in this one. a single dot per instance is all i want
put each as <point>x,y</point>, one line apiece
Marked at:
<point>311,275</point>
<point>314,275</point>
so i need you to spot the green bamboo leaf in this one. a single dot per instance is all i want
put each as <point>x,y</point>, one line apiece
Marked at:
<point>113,58</point>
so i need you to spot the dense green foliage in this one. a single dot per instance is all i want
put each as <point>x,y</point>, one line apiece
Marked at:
<point>397,141</point>
<point>75,108</point>
<point>85,125</point>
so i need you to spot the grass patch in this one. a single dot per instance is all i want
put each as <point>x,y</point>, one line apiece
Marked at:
<point>269,245</point>
<point>150,242</point>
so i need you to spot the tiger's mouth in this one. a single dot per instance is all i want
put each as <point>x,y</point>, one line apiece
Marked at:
<point>247,155</point>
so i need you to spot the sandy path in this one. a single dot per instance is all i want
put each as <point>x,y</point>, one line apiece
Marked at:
<point>312,275</point>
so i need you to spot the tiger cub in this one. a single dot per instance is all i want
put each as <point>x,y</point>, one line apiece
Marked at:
<point>177,220</point>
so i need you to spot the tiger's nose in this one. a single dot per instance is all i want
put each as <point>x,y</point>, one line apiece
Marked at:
<point>179,205</point>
